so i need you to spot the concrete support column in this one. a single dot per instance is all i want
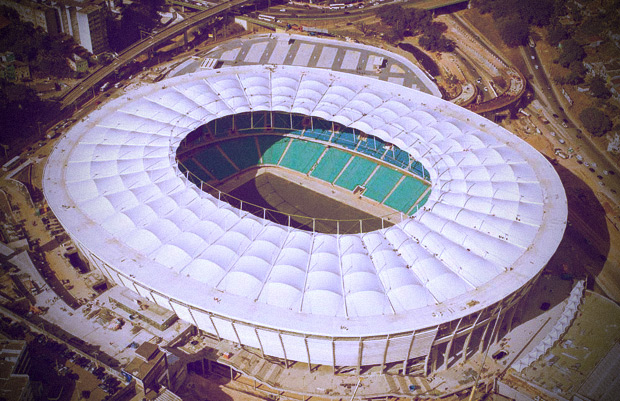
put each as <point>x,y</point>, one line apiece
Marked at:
<point>333,356</point>
<point>469,336</point>
<point>513,311</point>
<point>387,344</point>
<point>308,354</point>
<point>446,356</point>
<point>283,350</point>
<point>499,328</point>
<point>408,353</point>
<point>484,334</point>
<point>360,350</point>
<point>433,359</point>
<point>466,345</point>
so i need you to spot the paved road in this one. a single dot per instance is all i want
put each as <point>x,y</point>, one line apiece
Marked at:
<point>582,143</point>
<point>142,46</point>
<point>565,127</point>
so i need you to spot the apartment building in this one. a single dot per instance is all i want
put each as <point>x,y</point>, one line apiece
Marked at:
<point>84,20</point>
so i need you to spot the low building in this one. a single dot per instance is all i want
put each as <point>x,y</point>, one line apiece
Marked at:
<point>13,70</point>
<point>40,15</point>
<point>22,70</point>
<point>615,87</point>
<point>149,368</point>
<point>83,20</point>
<point>7,57</point>
<point>14,364</point>
<point>77,63</point>
<point>7,72</point>
<point>147,311</point>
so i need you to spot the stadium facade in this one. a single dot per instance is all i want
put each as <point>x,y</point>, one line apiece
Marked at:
<point>435,287</point>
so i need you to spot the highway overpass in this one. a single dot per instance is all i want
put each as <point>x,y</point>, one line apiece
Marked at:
<point>142,46</point>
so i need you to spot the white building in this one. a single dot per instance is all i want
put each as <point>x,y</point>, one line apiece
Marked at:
<point>412,298</point>
<point>83,20</point>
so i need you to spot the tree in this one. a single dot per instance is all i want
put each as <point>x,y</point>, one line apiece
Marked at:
<point>595,121</point>
<point>598,88</point>
<point>571,51</point>
<point>556,34</point>
<point>136,17</point>
<point>483,6</point>
<point>419,20</point>
<point>506,9</point>
<point>25,108</point>
<point>394,16</point>
<point>432,40</point>
<point>538,12</point>
<point>514,31</point>
<point>577,73</point>
<point>9,13</point>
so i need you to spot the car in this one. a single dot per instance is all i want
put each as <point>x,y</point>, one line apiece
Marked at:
<point>536,66</point>
<point>562,141</point>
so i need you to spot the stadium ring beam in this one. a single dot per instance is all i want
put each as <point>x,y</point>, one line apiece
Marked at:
<point>411,298</point>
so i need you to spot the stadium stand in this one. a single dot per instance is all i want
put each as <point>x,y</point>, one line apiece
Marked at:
<point>331,164</point>
<point>342,156</point>
<point>382,183</point>
<point>355,173</point>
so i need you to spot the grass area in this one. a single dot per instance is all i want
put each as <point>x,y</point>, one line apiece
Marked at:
<point>286,197</point>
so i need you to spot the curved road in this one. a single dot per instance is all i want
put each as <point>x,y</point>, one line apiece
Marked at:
<point>140,47</point>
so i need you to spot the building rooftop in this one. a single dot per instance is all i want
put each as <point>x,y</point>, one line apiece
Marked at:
<point>139,367</point>
<point>582,361</point>
<point>141,305</point>
<point>496,212</point>
<point>147,350</point>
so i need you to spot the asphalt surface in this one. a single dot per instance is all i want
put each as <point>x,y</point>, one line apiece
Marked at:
<point>568,130</point>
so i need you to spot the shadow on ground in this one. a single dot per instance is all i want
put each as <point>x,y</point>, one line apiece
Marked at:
<point>581,253</point>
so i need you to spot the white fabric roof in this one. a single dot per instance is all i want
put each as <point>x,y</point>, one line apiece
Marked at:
<point>488,227</point>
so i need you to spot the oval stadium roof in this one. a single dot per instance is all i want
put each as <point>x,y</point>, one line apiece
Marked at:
<point>496,213</point>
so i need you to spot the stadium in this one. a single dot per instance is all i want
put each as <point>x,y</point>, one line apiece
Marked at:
<point>449,218</point>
